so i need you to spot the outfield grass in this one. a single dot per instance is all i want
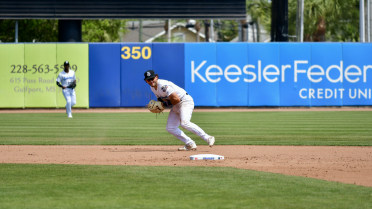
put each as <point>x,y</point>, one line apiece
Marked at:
<point>233,128</point>
<point>80,186</point>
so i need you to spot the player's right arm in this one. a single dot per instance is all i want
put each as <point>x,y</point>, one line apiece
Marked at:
<point>58,82</point>
<point>166,102</point>
<point>172,95</point>
<point>174,98</point>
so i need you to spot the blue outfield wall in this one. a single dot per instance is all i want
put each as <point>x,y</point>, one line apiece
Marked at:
<point>234,74</point>
<point>104,79</point>
<point>135,60</point>
<point>117,71</point>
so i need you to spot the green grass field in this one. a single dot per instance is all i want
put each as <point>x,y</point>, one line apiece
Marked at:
<point>79,186</point>
<point>234,128</point>
<point>88,186</point>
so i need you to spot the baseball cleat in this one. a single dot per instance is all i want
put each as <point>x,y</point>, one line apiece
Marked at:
<point>182,149</point>
<point>188,147</point>
<point>211,141</point>
<point>70,116</point>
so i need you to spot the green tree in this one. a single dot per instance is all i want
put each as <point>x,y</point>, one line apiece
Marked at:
<point>327,20</point>
<point>103,30</point>
<point>324,20</point>
<point>260,12</point>
<point>29,30</point>
<point>227,30</point>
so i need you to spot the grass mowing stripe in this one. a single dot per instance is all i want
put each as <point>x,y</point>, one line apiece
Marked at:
<point>245,128</point>
<point>82,186</point>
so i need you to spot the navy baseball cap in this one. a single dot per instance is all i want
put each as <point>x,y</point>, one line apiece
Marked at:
<point>66,63</point>
<point>150,74</point>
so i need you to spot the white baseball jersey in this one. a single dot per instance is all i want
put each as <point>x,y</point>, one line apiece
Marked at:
<point>166,88</point>
<point>66,78</point>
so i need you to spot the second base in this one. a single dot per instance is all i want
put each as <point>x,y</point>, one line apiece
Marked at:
<point>207,157</point>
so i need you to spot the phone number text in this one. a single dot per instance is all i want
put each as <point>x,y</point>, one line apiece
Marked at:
<point>42,68</point>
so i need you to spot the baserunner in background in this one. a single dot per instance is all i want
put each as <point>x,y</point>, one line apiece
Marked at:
<point>67,81</point>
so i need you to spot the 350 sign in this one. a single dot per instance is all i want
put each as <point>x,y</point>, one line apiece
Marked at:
<point>136,52</point>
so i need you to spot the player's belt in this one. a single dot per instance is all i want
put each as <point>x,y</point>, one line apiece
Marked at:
<point>184,96</point>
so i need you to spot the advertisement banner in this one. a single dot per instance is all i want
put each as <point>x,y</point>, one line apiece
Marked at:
<point>77,55</point>
<point>325,74</point>
<point>12,92</point>
<point>229,74</point>
<point>30,71</point>
<point>357,74</point>
<point>263,74</point>
<point>279,74</point>
<point>40,75</point>
<point>200,61</point>
<point>294,58</point>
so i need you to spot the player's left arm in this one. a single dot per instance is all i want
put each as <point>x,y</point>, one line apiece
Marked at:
<point>58,82</point>
<point>72,85</point>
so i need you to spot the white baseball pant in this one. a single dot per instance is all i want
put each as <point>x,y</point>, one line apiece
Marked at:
<point>70,97</point>
<point>180,115</point>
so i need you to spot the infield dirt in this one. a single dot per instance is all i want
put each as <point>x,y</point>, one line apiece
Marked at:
<point>352,165</point>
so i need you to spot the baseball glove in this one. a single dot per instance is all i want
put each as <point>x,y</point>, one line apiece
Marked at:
<point>155,106</point>
<point>72,86</point>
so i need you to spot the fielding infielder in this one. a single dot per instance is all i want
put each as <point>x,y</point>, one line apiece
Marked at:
<point>182,105</point>
<point>67,81</point>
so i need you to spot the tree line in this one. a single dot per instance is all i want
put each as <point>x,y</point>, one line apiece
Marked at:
<point>40,30</point>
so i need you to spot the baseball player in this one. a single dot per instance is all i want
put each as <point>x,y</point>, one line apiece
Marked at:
<point>182,106</point>
<point>67,81</point>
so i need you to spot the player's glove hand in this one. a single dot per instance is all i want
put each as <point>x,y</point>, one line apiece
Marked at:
<point>155,106</point>
<point>166,103</point>
<point>72,86</point>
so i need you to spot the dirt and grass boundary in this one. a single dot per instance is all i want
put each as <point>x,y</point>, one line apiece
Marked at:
<point>346,164</point>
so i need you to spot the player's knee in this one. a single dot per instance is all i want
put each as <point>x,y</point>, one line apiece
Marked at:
<point>171,129</point>
<point>185,124</point>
